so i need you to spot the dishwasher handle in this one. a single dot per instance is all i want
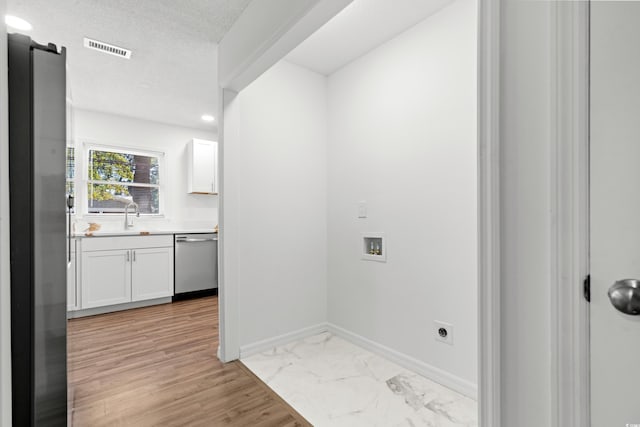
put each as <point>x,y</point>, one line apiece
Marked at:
<point>194,240</point>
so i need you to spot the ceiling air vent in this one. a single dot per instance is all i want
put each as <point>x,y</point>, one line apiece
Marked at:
<point>107,48</point>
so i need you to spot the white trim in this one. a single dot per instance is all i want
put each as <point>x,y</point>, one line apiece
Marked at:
<point>119,148</point>
<point>228,282</point>
<point>5,265</point>
<point>447,379</point>
<point>269,343</point>
<point>569,399</point>
<point>124,184</point>
<point>489,213</point>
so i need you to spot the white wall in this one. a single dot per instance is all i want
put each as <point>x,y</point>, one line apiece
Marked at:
<point>276,168</point>
<point>402,136</point>
<point>5,278</point>
<point>181,208</point>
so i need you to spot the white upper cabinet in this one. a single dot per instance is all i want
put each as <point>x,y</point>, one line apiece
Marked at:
<point>202,168</point>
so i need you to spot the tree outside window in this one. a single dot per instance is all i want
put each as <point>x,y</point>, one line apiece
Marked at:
<point>118,177</point>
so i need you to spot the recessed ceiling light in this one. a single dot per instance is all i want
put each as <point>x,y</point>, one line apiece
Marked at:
<point>207,117</point>
<point>17,23</point>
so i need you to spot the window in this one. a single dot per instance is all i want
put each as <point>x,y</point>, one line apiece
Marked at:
<point>71,173</point>
<point>117,177</point>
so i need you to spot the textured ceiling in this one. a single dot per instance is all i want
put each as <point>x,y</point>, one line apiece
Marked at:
<point>359,28</point>
<point>172,74</point>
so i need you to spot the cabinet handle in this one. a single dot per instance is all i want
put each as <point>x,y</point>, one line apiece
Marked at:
<point>212,187</point>
<point>134,256</point>
<point>128,259</point>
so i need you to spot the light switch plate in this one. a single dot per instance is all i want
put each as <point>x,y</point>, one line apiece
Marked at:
<point>362,209</point>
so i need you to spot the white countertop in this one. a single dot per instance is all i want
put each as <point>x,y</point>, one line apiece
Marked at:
<point>140,232</point>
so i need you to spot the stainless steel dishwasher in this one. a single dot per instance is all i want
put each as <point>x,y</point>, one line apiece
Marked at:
<point>196,265</point>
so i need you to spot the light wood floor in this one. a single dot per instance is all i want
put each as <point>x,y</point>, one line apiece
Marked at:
<point>157,366</point>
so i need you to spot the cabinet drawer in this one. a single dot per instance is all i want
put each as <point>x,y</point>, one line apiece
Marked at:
<point>126,242</point>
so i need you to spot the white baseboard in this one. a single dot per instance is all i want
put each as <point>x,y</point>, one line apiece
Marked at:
<point>447,379</point>
<point>269,343</point>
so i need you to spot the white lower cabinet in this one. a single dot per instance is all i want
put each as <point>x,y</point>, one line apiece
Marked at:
<point>106,278</point>
<point>118,270</point>
<point>152,273</point>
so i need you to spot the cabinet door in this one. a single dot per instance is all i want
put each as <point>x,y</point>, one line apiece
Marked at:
<point>152,273</point>
<point>106,278</point>
<point>203,167</point>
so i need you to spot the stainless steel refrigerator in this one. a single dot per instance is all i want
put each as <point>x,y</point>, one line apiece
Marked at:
<point>37,144</point>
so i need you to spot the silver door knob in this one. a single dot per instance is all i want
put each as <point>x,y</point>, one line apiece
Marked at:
<point>625,296</point>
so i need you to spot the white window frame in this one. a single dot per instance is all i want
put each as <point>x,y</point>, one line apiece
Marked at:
<point>75,176</point>
<point>83,188</point>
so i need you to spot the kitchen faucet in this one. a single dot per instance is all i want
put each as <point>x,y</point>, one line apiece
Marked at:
<point>128,223</point>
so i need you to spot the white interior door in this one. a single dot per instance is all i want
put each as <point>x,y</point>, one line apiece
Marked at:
<point>615,212</point>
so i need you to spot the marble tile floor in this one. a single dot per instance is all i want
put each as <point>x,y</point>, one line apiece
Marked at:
<point>334,383</point>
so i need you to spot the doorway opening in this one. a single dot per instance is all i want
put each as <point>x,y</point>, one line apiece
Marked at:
<point>339,153</point>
